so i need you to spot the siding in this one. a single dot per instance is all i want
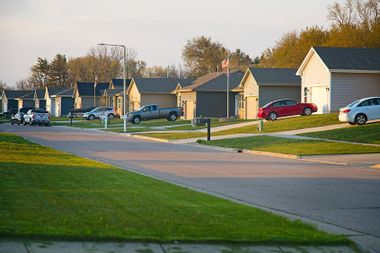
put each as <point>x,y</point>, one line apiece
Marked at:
<point>250,87</point>
<point>134,98</point>
<point>187,100</point>
<point>163,100</point>
<point>314,74</point>
<point>214,104</point>
<point>270,93</point>
<point>346,88</point>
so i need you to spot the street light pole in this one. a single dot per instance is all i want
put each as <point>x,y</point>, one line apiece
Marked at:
<point>124,80</point>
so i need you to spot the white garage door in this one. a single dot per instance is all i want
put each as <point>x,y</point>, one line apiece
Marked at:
<point>319,96</point>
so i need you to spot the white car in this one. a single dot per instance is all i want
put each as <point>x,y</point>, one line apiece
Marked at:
<point>361,111</point>
<point>98,112</point>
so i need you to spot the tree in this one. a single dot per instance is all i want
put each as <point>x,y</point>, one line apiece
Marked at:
<point>40,73</point>
<point>134,67</point>
<point>201,55</point>
<point>239,59</point>
<point>3,86</point>
<point>58,74</point>
<point>25,84</point>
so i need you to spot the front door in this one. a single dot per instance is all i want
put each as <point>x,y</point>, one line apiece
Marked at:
<point>251,107</point>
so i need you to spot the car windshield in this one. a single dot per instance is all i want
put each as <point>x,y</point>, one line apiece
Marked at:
<point>353,103</point>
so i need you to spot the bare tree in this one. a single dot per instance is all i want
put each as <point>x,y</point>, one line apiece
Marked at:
<point>342,15</point>
<point>368,12</point>
<point>3,86</point>
<point>25,84</point>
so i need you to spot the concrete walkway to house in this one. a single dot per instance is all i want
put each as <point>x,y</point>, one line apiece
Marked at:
<point>140,247</point>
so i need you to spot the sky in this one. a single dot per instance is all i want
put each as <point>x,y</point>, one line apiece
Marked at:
<point>156,29</point>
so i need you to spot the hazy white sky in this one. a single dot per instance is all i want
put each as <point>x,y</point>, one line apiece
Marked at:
<point>156,29</point>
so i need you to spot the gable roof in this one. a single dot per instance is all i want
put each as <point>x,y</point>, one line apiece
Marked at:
<point>87,88</point>
<point>113,92</point>
<point>275,76</point>
<point>68,92</point>
<point>13,94</point>
<point>336,59</point>
<point>119,83</point>
<point>51,91</point>
<point>27,96</point>
<point>159,85</point>
<point>40,93</point>
<point>215,82</point>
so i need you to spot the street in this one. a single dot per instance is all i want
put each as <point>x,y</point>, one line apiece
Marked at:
<point>338,198</point>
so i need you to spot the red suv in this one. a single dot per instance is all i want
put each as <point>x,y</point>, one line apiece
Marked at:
<point>285,107</point>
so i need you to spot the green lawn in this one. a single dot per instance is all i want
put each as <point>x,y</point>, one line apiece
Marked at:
<point>369,133</point>
<point>279,125</point>
<point>48,194</point>
<point>292,146</point>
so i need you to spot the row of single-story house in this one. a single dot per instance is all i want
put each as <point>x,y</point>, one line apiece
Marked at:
<point>329,77</point>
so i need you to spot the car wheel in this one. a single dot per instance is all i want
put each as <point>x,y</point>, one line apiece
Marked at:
<point>12,123</point>
<point>111,116</point>
<point>307,111</point>
<point>272,116</point>
<point>360,119</point>
<point>46,124</point>
<point>136,120</point>
<point>172,117</point>
<point>91,117</point>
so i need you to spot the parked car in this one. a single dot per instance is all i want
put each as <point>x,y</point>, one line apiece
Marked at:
<point>97,112</point>
<point>37,116</point>
<point>360,111</point>
<point>78,113</point>
<point>285,107</point>
<point>18,118</point>
<point>9,113</point>
<point>149,112</point>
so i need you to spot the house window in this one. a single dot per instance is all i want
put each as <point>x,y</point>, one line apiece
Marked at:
<point>241,101</point>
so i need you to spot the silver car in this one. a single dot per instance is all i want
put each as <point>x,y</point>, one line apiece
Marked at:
<point>98,112</point>
<point>361,111</point>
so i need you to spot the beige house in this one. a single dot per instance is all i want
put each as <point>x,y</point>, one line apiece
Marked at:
<point>334,77</point>
<point>114,98</point>
<point>207,95</point>
<point>144,91</point>
<point>260,86</point>
<point>89,94</point>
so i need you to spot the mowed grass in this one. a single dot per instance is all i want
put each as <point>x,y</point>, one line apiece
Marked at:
<point>292,146</point>
<point>279,125</point>
<point>369,133</point>
<point>48,194</point>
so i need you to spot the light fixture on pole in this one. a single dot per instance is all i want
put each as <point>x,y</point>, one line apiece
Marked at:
<point>124,80</point>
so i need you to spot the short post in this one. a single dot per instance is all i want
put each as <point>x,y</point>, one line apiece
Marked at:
<point>260,126</point>
<point>208,124</point>
<point>105,120</point>
<point>71,119</point>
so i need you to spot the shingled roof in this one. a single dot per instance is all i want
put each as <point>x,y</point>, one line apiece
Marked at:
<point>68,92</point>
<point>13,94</point>
<point>159,85</point>
<point>215,82</point>
<point>119,83</point>
<point>270,76</point>
<point>339,59</point>
<point>113,92</point>
<point>55,90</point>
<point>40,93</point>
<point>87,88</point>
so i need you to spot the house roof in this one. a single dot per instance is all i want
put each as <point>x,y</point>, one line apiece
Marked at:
<point>113,92</point>
<point>55,90</point>
<point>118,83</point>
<point>27,96</point>
<point>159,85</point>
<point>40,93</point>
<point>278,76</point>
<point>338,59</point>
<point>87,88</point>
<point>215,82</point>
<point>12,94</point>
<point>68,92</point>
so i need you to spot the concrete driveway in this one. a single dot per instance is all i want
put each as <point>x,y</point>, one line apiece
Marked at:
<point>343,199</point>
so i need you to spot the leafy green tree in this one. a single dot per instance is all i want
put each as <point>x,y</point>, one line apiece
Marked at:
<point>40,73</point>
<point>58,75</point>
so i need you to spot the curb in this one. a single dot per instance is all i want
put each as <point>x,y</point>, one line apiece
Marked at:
<point>149,138</point>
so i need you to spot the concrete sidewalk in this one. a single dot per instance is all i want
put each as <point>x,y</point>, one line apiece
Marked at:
<point>140,247</point>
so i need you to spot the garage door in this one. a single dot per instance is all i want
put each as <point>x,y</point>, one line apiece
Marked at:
<point>189,109</point>
<point>319,96</point>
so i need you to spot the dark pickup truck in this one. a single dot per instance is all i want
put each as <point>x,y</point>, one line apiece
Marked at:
<point>149,112</point>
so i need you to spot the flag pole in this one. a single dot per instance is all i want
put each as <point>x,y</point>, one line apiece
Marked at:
<point>228,87</point>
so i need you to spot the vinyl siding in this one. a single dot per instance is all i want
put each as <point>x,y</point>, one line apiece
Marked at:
<point>134,97</point>
<point>315,74</point>
<point>187,100</point>
<point>270,93</point>
<point>346,88</point>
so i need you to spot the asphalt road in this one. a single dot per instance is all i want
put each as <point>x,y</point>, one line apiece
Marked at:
<point>344,199</point>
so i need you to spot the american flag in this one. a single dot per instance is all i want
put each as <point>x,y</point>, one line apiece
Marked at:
<point>225,63</point>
